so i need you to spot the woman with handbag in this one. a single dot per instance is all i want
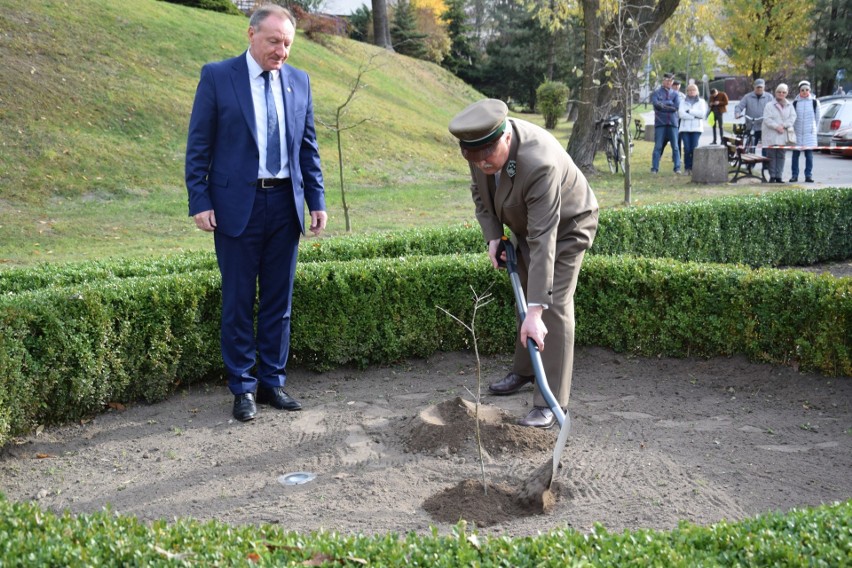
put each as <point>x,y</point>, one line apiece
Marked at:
<point>778,119</point>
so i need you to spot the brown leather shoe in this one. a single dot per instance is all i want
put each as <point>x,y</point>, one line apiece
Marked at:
<point>510,384</point>
<point>539,417</point>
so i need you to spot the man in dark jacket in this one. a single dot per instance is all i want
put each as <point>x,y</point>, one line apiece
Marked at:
<point>666,102</point>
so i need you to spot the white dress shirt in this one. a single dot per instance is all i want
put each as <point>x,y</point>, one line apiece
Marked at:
<point>258,95</point>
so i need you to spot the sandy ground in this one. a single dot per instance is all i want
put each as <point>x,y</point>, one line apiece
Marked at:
<point>653,441</point>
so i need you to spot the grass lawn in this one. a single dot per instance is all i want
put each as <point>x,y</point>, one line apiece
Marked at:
<point>93,166</point>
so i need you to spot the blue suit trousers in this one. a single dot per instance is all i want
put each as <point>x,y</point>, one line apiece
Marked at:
<point>259,264</point>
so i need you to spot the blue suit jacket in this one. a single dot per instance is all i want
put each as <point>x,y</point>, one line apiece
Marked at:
<point>222,156</point>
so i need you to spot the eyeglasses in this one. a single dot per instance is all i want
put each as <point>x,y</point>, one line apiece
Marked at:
<point>480,154</point>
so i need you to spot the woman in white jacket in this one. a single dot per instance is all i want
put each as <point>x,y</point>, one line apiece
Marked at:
<point>807,118</point>
<point>692,113</point>
<point>778,116</point>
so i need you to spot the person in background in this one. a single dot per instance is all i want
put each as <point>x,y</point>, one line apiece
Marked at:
<point>521,177</point>
<point>839,90</point>
<point>691,113</point>
<point>718,106</point>
<point>752,106</point>
<point>807,117</point>
<point>778,116</point>
<point>666,102</point>
<point>676,86</point>
<point>252,165</point>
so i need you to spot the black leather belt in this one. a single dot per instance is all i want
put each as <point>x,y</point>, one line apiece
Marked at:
<point>270,183</point>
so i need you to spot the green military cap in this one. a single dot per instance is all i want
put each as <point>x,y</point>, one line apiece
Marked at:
<point>480,124</point>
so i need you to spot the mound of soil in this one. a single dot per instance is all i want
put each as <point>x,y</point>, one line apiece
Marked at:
<point>450,426</point>
<point>469,502</point>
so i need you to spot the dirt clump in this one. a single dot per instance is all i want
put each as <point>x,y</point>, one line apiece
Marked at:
<point>468,501</point>
<point>450,427</point>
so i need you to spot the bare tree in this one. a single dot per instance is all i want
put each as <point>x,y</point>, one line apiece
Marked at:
<point>479,301</point>
<point>623,75</point>
<point>601,31</point>
<point>338,127</point>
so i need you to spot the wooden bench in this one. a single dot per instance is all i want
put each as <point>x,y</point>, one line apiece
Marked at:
<point>743,163</point>
<point>640,128</point>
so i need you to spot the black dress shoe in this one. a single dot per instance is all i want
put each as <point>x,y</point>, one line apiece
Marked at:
<point>510,384</point>
<point>809,180</point>
<point>244,407</point>
<point>539,417</point>
<point>277,398</point>
<point>794,179</point>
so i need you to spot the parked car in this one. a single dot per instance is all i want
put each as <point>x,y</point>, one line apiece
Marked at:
<point>836,115</point>
<point>827,99</point>
<point>841,143</point>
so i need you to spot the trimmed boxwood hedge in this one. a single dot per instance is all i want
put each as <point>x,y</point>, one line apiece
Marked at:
<point>66,352</point>
<point>819,536</point>
<point>788,228</point>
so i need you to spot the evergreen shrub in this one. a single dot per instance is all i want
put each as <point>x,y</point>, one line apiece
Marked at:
<point>551,99</point>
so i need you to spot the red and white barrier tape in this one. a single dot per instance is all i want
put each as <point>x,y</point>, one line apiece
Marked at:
<point>802,147</point>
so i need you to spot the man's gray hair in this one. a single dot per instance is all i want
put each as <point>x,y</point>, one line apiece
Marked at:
<point>267,10</point>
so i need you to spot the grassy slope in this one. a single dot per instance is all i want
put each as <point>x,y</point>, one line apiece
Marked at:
<point>95,97</point>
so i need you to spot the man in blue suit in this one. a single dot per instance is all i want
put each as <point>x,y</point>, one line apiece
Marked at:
<point>252,164</point>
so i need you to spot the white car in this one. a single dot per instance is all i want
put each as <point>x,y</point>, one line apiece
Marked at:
<point>836,115</point>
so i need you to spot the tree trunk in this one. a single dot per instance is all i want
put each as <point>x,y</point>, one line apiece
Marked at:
<point>596,96</point>
<point>381,29</point>
<point>584,136</point>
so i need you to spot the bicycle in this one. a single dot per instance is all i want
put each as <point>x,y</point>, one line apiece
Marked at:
<point>749,143</point>
<point>614,142</point>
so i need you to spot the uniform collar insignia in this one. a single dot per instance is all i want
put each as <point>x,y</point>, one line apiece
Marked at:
<point>511,168</point>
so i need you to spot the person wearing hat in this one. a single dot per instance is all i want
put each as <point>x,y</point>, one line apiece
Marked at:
<point>751,106</point>
<point>523,178</point>
<point>666,102</point>
<point>807,118</point>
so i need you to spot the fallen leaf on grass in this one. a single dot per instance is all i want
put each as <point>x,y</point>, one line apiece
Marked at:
<point>44,456</point>
<point>117,406</point>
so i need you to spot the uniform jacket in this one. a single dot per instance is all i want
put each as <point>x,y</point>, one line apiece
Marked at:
<point>544,199</point>
<point>222,156</point>
<point>775,115</point>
